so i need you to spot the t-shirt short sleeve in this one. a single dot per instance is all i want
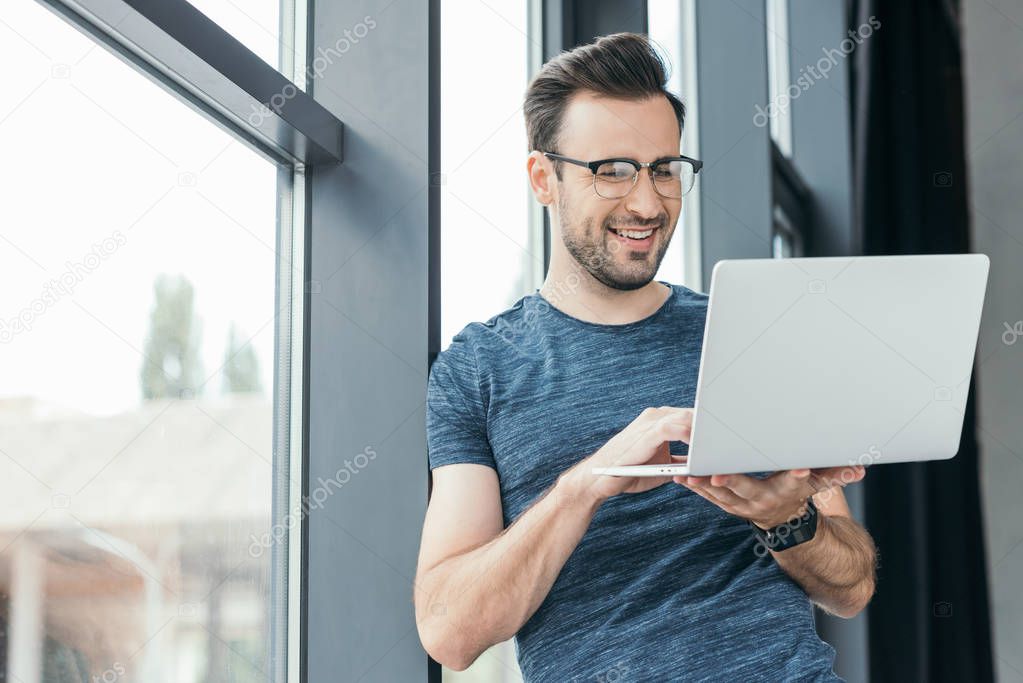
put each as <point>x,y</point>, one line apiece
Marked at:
<point>456,430</point>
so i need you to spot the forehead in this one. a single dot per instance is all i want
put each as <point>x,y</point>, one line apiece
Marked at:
<point>595,127</point>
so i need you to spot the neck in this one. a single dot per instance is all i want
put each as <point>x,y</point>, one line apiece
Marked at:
<point>573,291</point>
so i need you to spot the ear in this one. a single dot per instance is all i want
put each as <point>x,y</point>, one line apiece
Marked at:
<point>541,177</point>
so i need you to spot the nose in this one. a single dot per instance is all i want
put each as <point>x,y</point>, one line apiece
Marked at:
<point>643,201</point>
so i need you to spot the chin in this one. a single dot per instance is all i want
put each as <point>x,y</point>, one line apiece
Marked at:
<point>627,284</point>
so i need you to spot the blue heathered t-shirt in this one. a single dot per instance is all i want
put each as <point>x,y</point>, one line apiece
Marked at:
<point>664,586</point>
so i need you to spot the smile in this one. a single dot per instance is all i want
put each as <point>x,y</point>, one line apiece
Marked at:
<point>633,234</point>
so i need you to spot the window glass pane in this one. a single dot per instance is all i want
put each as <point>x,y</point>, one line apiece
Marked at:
<point>490,255</point>
<point>777,111</point>
<point>137,273</point>
<point>673,30</point>
<point>488,258</point>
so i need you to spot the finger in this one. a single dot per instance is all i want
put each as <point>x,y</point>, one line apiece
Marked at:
<point>796,481</point>
<point>721,494</point>
<point>680,414</point>
<point>641,484</point>
<point>698,490</point>
<point>742,485</point>
<point>652,437</point>
<point>667,428</point>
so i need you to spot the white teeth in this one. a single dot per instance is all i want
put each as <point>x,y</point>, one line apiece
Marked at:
<point>636,234</point>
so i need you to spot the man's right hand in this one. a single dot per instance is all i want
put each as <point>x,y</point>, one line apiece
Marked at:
<point>643,442</point>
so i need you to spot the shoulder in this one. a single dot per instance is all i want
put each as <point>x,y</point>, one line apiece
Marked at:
<point>482,340</point>
<point>689,297</point>
<point>688,302</point>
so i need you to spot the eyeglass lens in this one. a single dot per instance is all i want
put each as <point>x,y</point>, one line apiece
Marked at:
<point>671,179</point>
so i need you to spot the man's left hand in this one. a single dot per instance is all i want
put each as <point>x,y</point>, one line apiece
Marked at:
<point>774,500</point>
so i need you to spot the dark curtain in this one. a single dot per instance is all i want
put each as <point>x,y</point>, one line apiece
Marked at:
<point>929,620</point>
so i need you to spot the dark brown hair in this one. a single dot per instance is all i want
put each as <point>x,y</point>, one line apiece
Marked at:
<point>621,65</point>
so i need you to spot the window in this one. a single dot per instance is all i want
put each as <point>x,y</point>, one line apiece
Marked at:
<point>139,474</point>
<point>778,74</point>
<point>491,249</point>
<point>791,213</point>
<point>672,26</point>
<point>489,258</point>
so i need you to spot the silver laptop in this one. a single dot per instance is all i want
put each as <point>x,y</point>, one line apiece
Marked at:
<point>822,362</point>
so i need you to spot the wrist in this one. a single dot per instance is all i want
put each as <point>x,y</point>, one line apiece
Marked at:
<point>775,521</point>
<point>575,488</point>
<point>796,530</point>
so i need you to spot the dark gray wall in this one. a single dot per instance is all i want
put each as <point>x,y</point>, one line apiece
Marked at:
<point>821,133</point>
<point>368,343</point>
<point>993,53</point>
<point>735,194</point>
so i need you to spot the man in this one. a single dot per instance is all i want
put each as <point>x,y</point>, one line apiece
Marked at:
<point>604,578</point>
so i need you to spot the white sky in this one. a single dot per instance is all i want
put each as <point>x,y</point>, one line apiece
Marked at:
<point>92,147</point>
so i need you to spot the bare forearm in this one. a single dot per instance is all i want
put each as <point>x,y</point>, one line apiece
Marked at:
<point>836,568</point>
<point>484,596</point>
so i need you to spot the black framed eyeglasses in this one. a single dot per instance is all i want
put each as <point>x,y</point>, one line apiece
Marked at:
<point>672,177</point>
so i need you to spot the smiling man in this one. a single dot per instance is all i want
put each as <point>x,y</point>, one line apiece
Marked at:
<point>604,578</point>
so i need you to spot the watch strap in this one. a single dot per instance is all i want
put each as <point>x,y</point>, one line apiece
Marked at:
<point>787,534</point>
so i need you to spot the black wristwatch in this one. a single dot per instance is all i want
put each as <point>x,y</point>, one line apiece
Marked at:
<point>787,534</point>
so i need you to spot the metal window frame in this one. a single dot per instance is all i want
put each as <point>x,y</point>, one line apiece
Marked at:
<point>793,202</point>
<point>373,305</point>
